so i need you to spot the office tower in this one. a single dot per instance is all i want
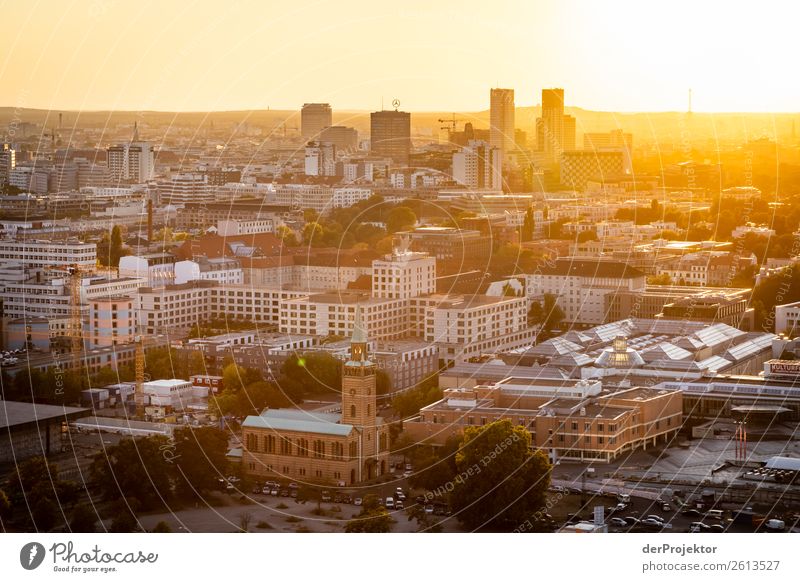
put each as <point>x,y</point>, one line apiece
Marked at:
<point>8,161</point>
<point>501,120</point>
<point>344,138</point>
<point>320,159</point>
<point>390,135</point>
<point>555,132</point>
<point>314,117</point>
<point>479,165</point>
<point>132,162</point>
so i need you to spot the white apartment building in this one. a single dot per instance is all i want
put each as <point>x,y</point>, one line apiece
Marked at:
<point>240,227</point>
<point>403,274</point>
<point>479,165</point>
<point>581,286</point>
<point>787,319</point>
<point>320,159</point>
<point>134,161</point>
<point>173,393</point>
<point>328,314</point>
<point>158,269</point>
<point>44,253</point>
<point>319,198</point>
<point>223,271</point>
<point>101,287</point>
<point>183,188</point>
<point>346,197</point>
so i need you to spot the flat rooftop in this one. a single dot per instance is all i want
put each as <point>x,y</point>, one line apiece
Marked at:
<point>16,414</point>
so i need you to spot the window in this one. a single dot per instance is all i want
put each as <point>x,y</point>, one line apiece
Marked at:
<point>574,425</point>
<point>352,411</point>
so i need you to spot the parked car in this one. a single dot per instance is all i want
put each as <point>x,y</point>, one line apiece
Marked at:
<point>691,513</point>
<point>326,496</point>
<point>275,491</point>
<point>656,517</point>
<point>666,507</point>
<point>358,501</point>
<point>390,503</point>
<point>399,504</point>
<point>652,523</point>
<point>775,525</point>
<point>618,522</point>
<point>630,520</point>
<point>429,509</point>
<point>698,527</point>
<point>714,514</point>
<point>716,528</point>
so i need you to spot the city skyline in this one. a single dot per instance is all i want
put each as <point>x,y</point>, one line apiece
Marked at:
<point>176,58</point>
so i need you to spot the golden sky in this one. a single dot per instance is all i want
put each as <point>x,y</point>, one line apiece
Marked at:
<point>199,55</point>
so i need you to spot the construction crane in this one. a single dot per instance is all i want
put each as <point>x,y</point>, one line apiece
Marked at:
<point>452,124</point>
<point>138,395</point>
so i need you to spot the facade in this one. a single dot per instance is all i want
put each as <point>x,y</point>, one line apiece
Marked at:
<point>172,394</point>
<point>112,321</point>
<point>501,120</point>
<point>320,159</point>
<point>338,448</point>
<point>403,275</point>
<point>184,188</point>
<point>582,287</point>
<point>787,319</point>
<point>315,117</point>
<point>448,244</point>
<point>242,226</point>
<point>131,162</point>
<point>390,135</point>
<point>571,420</point>
<point>45,253</point>
<point>479,166</point>
<point>158,269</point>
<point>344,139</point>
<point>702,269</point>
<point>555,132</point>
<point>223,271</point>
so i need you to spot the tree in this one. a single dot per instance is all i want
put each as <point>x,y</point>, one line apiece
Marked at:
<point>83,519</point>
<point>124,520</point>
<point>138,468</point>
<point>286,235</point>
<point>370,520</point>
<point>313,234</point>
<point>5,506</point>
<point>116,249</point>
<point>311,373</point>
<point>500,482</point>
<point>549,316</point>
<point>526,232</point>
<point>44,514</point>
<point>662,279</point>
<point>400,218</point>
<point>409,402</point>
<point>199,459</point>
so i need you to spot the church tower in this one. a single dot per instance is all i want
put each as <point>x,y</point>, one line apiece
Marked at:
<point>358,390</point>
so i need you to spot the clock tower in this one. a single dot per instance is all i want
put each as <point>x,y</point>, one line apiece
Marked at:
<point>358,391</point>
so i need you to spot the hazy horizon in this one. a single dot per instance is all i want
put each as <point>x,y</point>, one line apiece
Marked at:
<point>175,57</point>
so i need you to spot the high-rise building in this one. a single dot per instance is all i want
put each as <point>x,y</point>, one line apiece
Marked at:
<point>133,161</point>
<point>555,132</point>
<point>320,159</point>
<point>344,138</point>
<point>314,117</point>
<point>390,135</point>
<point>479,165</point>
<point>8,161</point>
<point>501,120</point>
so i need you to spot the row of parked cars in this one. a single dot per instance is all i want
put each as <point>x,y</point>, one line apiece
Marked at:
<point>276,489</point>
